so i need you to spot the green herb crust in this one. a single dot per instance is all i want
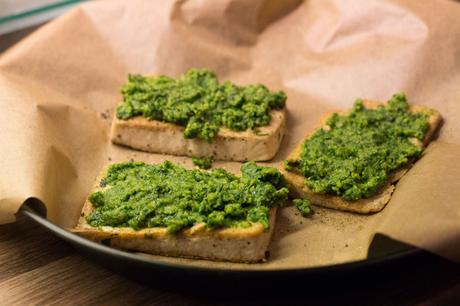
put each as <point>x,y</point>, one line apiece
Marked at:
<point>198,102</point>
<point>354,154</point>
<point>139,195</point>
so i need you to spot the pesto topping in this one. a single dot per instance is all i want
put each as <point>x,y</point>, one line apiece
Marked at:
<point>354,154</point>
<point>203,162</point>
<point>303,206</point>
<point>139,195</point>
<point>199,102</point>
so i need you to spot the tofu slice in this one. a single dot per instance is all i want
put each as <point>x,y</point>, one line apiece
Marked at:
<point>362,206</point>
<point>225,244</point>
<point>167,138</point>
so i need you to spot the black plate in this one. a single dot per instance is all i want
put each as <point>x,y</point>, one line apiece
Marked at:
<point>386,257</point>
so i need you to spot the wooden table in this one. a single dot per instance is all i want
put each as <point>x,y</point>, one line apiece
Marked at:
<point>38,268</point>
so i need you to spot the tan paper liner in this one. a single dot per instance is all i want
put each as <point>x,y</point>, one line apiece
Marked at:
<point>59,87</point>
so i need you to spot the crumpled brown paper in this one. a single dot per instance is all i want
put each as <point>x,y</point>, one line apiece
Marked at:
<point>59,87</point>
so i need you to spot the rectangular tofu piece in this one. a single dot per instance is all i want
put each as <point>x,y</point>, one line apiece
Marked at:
<point>167,138</point>
<point>224,244</point>
<point>365,205</point>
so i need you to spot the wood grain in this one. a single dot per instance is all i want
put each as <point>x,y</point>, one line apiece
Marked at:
<point>50,272</point>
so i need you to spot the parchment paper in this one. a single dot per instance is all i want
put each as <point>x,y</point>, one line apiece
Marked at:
<point>59,87</point>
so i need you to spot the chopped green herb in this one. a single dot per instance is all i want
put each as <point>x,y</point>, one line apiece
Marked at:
<point>289,165</point>
<point>199,102</point>
<point>303,205</point>
<point>203,162</point>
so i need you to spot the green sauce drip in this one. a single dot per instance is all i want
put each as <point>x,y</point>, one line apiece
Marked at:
<point>199,102</point>
<point>303,206</point>
<point>203,162</point>
<point>355,154</point>
<point>139,195</point>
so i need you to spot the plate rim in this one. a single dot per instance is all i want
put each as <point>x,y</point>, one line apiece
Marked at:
<point>108,251</point>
